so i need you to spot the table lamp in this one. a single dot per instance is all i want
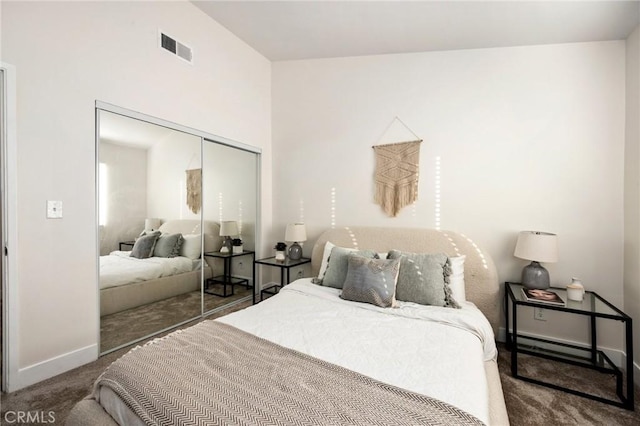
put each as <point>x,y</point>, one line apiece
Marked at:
<point>151,224</point>
<point>295,233</point>
<point>537,247</point>
<point>228,228</point>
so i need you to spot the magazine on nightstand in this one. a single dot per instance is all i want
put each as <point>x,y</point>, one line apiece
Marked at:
<point>542,296</point>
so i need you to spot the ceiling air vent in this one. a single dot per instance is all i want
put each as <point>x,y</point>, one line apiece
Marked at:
<point>175,47</point>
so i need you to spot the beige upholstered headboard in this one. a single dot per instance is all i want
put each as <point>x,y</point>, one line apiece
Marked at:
<point>481,278</point>
<point>212,239</point>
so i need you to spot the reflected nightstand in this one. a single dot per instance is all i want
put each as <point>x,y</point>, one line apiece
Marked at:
<point>126,243</point>
<point>227,280</point>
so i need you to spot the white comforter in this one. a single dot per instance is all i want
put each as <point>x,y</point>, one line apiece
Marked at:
<point>434,351</point>
<point>119,268</point>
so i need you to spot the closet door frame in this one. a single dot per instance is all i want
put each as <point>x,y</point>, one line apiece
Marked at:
<point>9,232</point>
<point>205,137</point>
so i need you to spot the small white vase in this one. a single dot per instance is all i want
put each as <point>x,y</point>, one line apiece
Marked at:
<point>575,290</point>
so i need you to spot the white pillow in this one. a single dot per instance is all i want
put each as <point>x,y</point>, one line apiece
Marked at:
<point>191,246</point>
<point>325,259</point>
<point>456,279</point>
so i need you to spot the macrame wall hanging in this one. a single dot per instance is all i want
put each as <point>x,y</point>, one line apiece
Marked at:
<point>194,189</point>
<point>396,176</point>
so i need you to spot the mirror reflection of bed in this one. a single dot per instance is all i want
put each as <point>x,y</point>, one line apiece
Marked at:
<point>143,175</point>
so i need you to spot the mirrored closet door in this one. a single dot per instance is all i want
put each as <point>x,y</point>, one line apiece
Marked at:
<point>163,192</point>
<point>229,185</point>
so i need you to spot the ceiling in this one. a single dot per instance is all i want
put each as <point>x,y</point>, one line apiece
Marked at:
<point>290,30</point>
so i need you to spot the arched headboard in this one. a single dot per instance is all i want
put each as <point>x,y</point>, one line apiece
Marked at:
<point>212,239</point>
<point>481,279</point>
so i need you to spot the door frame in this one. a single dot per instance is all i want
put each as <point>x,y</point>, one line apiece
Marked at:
<point>9,194</point>
<point>204,137</point>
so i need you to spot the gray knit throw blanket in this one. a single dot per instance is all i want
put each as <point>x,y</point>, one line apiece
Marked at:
<point>215,374</point>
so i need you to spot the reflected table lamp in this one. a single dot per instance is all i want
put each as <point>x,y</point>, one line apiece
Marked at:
<point>537,247</point>
<point>151,224</point>
<point>295,233</point>
<point>228,229</point>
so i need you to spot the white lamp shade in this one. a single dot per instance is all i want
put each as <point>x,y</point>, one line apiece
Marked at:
<point>151,224</point>
<point>228,228</point>
<point>296,232</point>
<point>537,246</point>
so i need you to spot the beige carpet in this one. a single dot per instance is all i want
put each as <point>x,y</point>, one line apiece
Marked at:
<point>59,394</point>
<point>527,404</point>
<point>530,404</point>
<point>132,324</point>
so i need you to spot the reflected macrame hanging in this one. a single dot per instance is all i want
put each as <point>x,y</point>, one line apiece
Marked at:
<point>396,177</point>
<point>194,189</point>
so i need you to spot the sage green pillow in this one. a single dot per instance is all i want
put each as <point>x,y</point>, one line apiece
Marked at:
<point>168,245</point>
<point>143,248</point>
<point>423,278</point>
<point>338,265</point>
<point>371,281</point>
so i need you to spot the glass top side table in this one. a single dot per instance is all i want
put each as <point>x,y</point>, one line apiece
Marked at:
<point>227,280</point>
<point>285,265</point>
<point>594,307</point>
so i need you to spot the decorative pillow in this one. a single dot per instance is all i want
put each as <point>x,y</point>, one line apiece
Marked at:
<point>143,247</point>
<point>328,246</point>
<point>371,281</point>
<point>168,245</point>
<point>423,278</point>
<point>339,264</point>
<point>191,246</point>
<point>145,232</point>
<point>456,280</point>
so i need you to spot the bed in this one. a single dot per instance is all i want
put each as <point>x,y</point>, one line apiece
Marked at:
<point>127,282</point>
<point>348,360</point>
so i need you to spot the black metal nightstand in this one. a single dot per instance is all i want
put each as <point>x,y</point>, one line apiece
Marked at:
<point>287,264</point>
<point>592,306</point>
<point>126,243</point>
<point>227,279</point>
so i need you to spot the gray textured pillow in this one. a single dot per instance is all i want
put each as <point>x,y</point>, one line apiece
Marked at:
<point>145,232</point>
<point>371,281</point>
<point>168,245</point>
<point>339,264</point>
<point>423,278</point>
<point>143,248</point>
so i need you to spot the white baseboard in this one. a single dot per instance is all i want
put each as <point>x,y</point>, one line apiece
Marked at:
<point>35,373</point>
<point>617,356</point>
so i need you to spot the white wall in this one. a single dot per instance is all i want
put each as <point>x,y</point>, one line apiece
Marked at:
<point>67,55</point>
<point>168,161</point>
<point>528,138</point>
<point>126,198</point>
<point>632,188</point>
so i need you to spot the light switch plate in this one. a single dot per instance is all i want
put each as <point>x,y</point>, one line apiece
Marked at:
<point>54,209</point>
